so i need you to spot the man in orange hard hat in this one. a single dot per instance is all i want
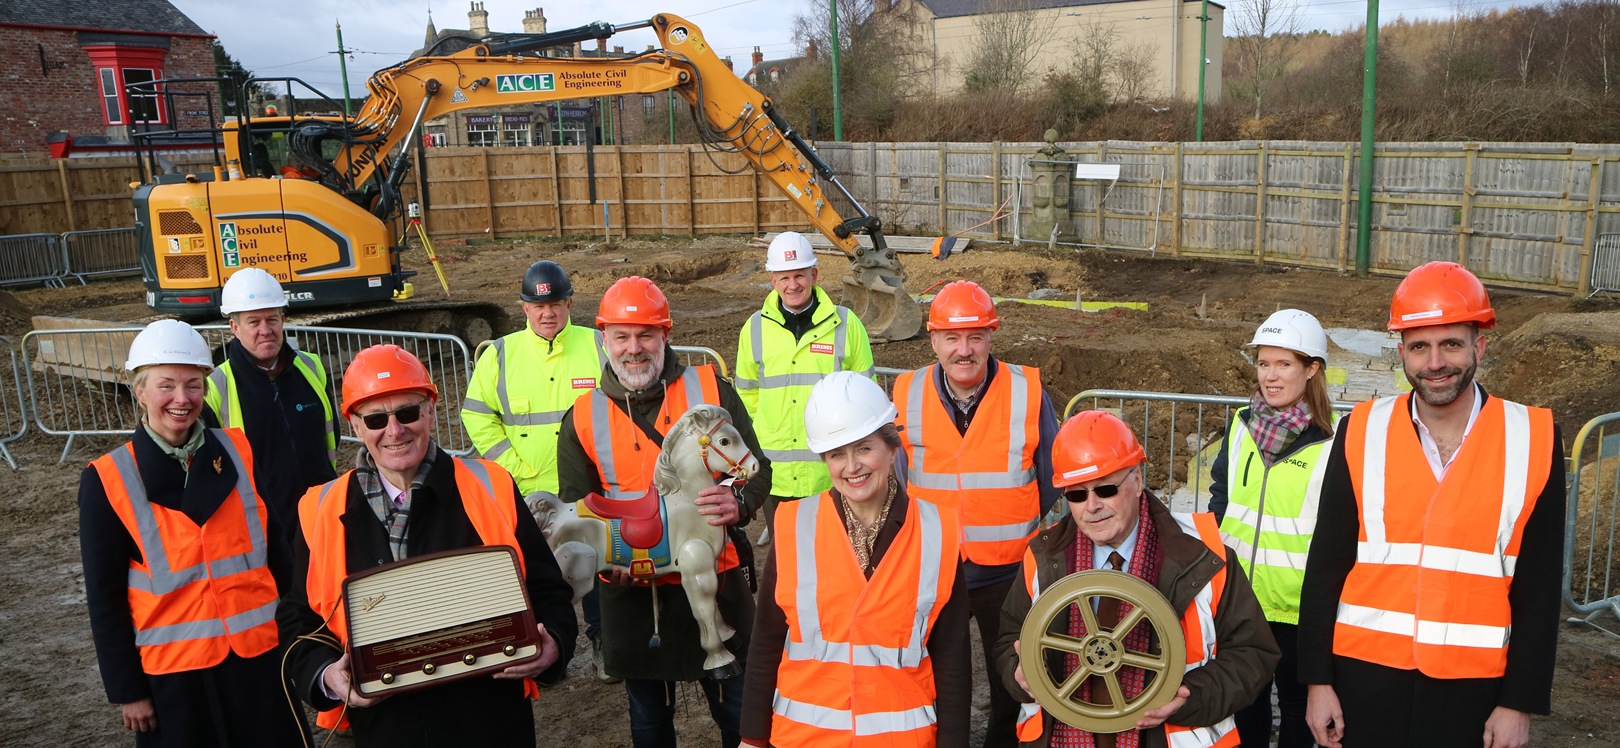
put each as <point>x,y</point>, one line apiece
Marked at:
<point>979,437</point>
<point>406,497</point>
<point>1439,533</point>
<point>1114,523</point>
<point>643,390</point>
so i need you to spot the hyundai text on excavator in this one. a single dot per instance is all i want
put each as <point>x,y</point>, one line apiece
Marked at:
<point>335,240</point>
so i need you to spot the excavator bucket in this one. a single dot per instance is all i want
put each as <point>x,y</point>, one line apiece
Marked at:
<point>880,300</point>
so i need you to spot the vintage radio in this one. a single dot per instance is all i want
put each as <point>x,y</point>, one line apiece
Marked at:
<point>438,618</point>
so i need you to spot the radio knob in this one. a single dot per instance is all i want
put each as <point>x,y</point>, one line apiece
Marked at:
<point>509,651</point>
<point>428,668</point>
<point>387,678</point>
<point>469,658</point>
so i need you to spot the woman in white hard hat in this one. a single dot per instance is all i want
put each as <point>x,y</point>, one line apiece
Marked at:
<point>863,613</point>
<point>1264,485</point>
<point>181,560</point>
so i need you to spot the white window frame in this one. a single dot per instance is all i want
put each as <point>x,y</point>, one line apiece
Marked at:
<point>479,132</point>
<point>515,134</point>
<point>154,97</point>
<point>109,95</point>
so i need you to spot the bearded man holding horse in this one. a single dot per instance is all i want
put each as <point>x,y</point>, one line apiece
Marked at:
<point>407,497</point>
<point>608,445</point>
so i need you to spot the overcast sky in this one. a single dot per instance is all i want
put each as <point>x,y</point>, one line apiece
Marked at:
<point>297,37</point>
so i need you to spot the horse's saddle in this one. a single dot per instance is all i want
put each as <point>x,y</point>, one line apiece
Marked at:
<point>640,521</point>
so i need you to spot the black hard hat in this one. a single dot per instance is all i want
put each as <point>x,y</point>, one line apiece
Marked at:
<point>545,281</point>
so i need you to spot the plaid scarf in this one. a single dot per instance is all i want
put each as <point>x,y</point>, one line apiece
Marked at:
<point>1131,679</point>
<point>1273,430</point>
<point>394,519</point>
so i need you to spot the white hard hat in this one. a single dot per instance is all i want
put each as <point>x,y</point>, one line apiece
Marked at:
<point>789,251</point>
<point>1294,330</point>
<point>844,407</point>
<point>169,341</point>
<point>251,289</point>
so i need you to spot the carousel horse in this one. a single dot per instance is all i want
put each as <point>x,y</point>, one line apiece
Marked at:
<point>660,533</point>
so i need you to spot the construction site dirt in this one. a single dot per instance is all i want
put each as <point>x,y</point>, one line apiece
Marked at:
<point>1549,351</point>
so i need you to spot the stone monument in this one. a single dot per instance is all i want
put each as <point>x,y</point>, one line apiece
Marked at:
<point>1051,170</point>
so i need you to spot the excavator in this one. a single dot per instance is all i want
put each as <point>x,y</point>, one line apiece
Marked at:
<point>334,239</point>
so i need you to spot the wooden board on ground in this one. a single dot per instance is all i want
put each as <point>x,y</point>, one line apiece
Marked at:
<point>98,356</point>
<point>905,244</point>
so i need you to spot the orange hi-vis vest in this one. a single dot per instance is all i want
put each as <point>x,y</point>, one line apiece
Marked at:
<point>988,474</point>
<point>1434,559</point>
<point>625,457</point>
<point>1197,625</point>
<point>855,667</point>
<point>199,592</point>
<point>488,498</point>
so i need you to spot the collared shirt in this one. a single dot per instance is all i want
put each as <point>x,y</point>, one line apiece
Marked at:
<point>963,408</point>
<point>183,453</point>
<point>1432,450</point>
<point>1099,552</point>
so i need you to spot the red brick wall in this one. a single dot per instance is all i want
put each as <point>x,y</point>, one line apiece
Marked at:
<point>68,98</point>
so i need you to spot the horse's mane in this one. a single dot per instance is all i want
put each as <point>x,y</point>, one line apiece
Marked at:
<point>665,477</point>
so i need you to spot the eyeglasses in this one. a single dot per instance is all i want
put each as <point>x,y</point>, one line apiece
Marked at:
<point>1080,495</point>
<point>405,415</point>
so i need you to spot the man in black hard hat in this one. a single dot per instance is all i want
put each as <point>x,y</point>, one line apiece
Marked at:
<point>525,381</point>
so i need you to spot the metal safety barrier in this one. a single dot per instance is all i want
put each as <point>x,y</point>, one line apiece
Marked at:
<point>1188,428</point>
<point>79,387</point>
<point>691,355</point>
<point>885,375</point>
<point>13,415</point>
<point>1591,521</point>
<point>105,252</point>
<point>32,258</point>
<point>1606,265</point>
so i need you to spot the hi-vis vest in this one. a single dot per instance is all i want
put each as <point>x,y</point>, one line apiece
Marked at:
<point>775,374</point>
<point>222,396</point>
<point>1435,559</point>
<point>988,474</point>
<point>625,457</point>
<point>1271,515</point>
<point>486,496</point>
<point>198,593</point>
<point>855,667</point>
<point>519,393</point>
<point>1197,625</point>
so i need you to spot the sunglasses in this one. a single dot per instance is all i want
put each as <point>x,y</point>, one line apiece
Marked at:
<point>405,415</point>
<point>1080,495</point>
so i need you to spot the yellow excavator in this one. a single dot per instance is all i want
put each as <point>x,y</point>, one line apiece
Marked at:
<point>333,239</point>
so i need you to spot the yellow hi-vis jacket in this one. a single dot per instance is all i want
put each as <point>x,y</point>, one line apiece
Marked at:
<point>223,398</point>
<point>775,374</point>
<point>521,388</point>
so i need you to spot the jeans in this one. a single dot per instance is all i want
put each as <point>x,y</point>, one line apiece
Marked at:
<point>1254,720</point>
<point>652,711</point>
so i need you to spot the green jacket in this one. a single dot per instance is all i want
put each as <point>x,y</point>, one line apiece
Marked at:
<point>774,377</point>
<point>226,401</point>
<point>521,388</point>
<point>1270,512</point>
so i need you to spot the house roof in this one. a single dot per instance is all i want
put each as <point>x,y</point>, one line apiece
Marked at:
<point>764,68</point>
<point>152,16</point>
<point>949,8</point>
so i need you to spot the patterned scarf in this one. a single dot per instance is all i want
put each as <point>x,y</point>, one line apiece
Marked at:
<point>394,518</point>
<point>1131,679</point>
<point>1273,430</point>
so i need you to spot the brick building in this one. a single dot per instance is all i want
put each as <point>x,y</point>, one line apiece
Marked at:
<point>64,66</point>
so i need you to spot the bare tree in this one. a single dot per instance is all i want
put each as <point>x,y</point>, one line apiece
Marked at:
<point>1134,73</point>
<point>1011,35</point>
<point>1266,31</point>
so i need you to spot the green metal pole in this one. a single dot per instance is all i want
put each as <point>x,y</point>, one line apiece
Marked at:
<point>838,95</point>
<point>1203,65</point>
<point>672,116</point>
<point>343,67</point>
<point>1369,89</point>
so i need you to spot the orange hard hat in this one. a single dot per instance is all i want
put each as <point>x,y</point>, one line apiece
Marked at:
<point>962,305</point>
<point>634,301</point>
<point>383,370</point>
<point>1440,293</point>
<point>1092,444</point>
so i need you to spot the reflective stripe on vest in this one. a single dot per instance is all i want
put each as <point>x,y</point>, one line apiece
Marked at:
<point>1427,594</point>
<point>190,618</point>
<point>1197,625</point>
<point>1271,516</point>
<point>999,509</point>
<point>223,397</point>
<point>756,341</point>
<point>872,640</point>
<point>508,418</point>
<point>487,496</point>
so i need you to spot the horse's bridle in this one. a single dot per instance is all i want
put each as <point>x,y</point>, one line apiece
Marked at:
<point>705,438</point>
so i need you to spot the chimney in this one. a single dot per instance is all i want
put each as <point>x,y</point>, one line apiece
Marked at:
<point>618,50</point>
<point>534,21</point>
<point>810,52</point>
<point>478,20</point>
<point>649,48</point>
<point>729,66</point>
<point>759,57</point>
<point>578,50</point>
